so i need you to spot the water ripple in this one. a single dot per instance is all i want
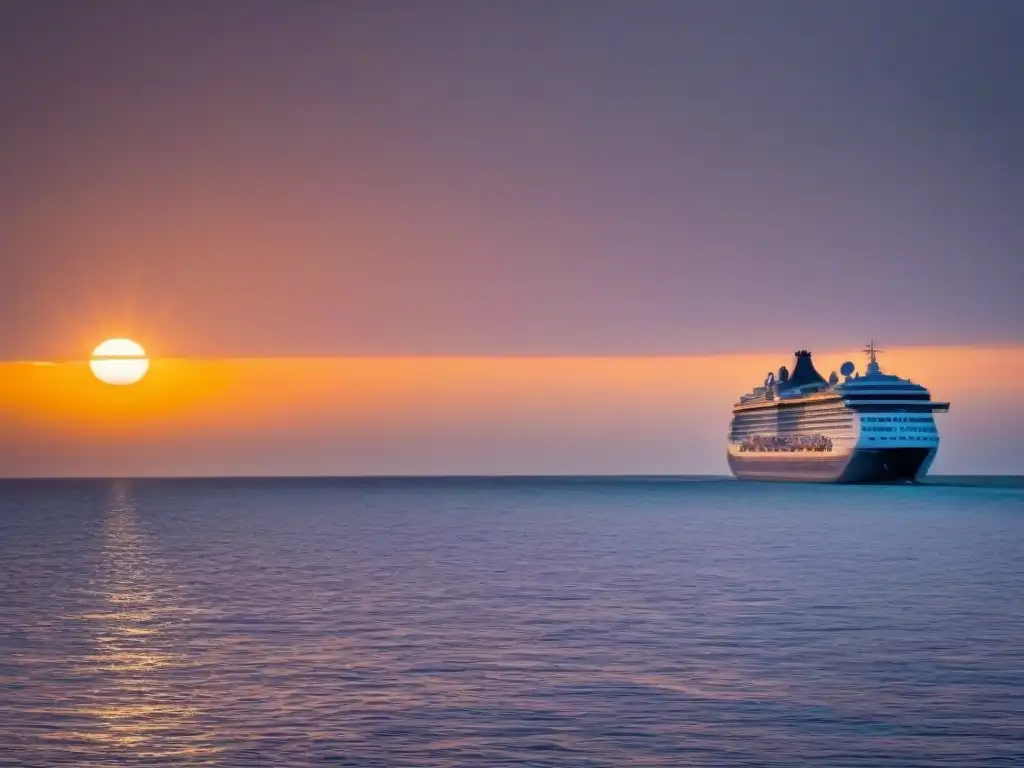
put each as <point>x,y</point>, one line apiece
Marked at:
<point>538,623</point>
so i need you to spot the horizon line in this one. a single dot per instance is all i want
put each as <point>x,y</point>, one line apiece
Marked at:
<point>488,476</point>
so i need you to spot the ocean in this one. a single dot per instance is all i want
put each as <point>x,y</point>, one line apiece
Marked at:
<point>512,621</point>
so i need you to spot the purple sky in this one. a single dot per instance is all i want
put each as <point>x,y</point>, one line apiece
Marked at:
<point>333,178</point>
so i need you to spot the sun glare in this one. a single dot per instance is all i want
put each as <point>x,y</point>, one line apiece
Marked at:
<point>119,362</point>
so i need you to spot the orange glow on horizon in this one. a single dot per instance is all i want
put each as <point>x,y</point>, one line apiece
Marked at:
<point>285,409</point>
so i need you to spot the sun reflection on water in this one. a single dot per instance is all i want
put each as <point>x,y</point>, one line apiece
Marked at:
<point>138,708</point>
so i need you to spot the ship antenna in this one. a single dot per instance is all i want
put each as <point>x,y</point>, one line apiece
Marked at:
<point>872,352</point>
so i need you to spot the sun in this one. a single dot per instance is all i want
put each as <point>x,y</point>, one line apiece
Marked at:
<point>119,362</point>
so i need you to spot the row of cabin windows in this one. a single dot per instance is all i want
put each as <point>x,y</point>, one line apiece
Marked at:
<point>896,418</point>
<point>794,424</point>
<point>817,421</point>
<point>742,433</point>
<point>895,429</point>
<point>773,428</point>
<point>762,417</point>
<point>908,437</point>
<point>814,409</point>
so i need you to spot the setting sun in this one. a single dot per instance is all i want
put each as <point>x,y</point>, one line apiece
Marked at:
<point>119,362</point>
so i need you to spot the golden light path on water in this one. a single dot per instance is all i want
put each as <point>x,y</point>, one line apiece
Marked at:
<point>138,709</point>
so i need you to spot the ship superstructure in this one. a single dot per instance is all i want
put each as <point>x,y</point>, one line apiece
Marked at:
<point>798,426</point>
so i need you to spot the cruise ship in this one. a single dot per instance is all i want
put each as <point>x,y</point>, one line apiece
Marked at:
<point>870,428</point>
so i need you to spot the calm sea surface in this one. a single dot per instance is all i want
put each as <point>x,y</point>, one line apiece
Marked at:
<point>510,622</point>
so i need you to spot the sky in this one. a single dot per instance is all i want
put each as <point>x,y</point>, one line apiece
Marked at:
<point>403,178</point>
<point>651,181</point>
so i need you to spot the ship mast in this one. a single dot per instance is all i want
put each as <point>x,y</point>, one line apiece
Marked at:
<point>872,352</point>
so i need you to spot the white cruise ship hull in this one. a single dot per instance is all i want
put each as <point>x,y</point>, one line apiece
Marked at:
<point>861,465</point>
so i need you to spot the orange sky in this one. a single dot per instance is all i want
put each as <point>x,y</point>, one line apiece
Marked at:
<point>453,415</point>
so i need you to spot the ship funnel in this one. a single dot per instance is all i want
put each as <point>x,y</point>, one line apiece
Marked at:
<point>803,371</point>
